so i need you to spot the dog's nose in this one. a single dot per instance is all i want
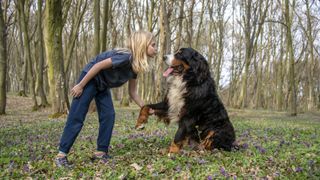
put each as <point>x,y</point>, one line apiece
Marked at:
<point>165,57</point>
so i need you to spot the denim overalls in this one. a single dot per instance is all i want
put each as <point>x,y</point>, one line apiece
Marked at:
<point>99,89</point>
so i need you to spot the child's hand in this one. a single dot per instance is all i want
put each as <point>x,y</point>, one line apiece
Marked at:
<point>76,91</point>
<point>151,111</point>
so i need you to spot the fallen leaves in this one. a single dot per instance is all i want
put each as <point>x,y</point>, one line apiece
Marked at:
<point>136,166</point>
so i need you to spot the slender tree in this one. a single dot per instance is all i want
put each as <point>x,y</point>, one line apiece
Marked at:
<point>3,62</point>
<point>80,9</point>
<point>259,70</point>
<point>200,24</point>
<point>162,48</point>
<point>292,82</point>
<point>311,68</point>
<point>124,91</point>
<point>232,74</point>
<point>220,29</point>
<point>23,78</point>
<point>280,73</point>
<point>189,27</point>
<point>251,30</point>
<point>148,78</point>
<point>23,8</point>
<point>105,21</point>
<point>180,20</point>
<point>40,84</point>
<point>150,13</point>
<point>96,12</point>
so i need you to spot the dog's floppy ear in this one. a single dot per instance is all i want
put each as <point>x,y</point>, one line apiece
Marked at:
<point>199,66</point>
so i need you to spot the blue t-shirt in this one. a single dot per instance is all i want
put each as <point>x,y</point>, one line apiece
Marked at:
<point>120,72</point>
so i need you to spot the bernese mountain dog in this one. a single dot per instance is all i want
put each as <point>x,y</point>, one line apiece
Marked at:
<point>193,103</point>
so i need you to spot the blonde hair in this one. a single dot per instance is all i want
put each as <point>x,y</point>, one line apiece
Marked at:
<point>138,43</point>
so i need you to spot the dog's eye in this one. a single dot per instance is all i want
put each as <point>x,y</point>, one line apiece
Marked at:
<point>180,67</point>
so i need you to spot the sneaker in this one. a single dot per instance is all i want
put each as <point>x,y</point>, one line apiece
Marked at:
<point>62,162</point>
<point>104,158</point>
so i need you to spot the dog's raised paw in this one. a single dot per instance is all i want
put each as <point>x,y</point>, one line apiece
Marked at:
<point>140,127</point>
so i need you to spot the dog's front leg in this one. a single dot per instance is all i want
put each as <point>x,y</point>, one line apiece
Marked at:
<point>143,117</point>
<point>178,141</point>
<point>160,110</point>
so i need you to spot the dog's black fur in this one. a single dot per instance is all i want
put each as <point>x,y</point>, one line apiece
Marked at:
<point>203,118</point>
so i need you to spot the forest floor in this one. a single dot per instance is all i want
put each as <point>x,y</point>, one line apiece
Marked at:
<point>273,145</point>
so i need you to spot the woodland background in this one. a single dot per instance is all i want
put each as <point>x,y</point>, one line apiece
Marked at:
<point>263,54</point>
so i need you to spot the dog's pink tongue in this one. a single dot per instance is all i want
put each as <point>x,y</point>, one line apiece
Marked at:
<point>167,72</point>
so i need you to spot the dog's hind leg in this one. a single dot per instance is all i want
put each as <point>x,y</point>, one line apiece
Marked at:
<point>207,142</point>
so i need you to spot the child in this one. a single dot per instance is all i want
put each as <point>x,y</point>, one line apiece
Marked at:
<point>107,70</point>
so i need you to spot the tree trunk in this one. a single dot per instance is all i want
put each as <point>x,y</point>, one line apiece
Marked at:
<point>136,16</point>
<point>24,68</point>
<point>26,44</point>
<point>232,74</point>
<point>40,88</point>
<point>258,90</point>
<point>279,75</point>
<point>128,19</point>
<point>3,62</point>
<point>105,21</point>
<point>179,32</point>
<point>96,12</point>
<point>311,65</point>
<point>147,89</point>
<point>248,44</point>
<point>292,86</point>
<point>150,14</point>
<point>162,49</point>
<point>189,27</point>
<point>53,44</point>
<point>78,16</point>
<point>252,31</point>
<point>124,90</point>
<point>211,44</point>
<point>221,10</point>
<point>268,95</point>
<point>200,25</point>
<point>80,9</point>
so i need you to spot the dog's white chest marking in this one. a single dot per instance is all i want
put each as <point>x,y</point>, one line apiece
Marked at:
<point>175,97</point>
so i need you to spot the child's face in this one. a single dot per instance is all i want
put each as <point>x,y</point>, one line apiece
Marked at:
<point>152,49</point>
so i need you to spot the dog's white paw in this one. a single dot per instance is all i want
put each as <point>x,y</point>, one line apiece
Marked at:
<point>141,127</point>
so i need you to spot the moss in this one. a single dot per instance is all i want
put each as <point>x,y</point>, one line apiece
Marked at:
<point>56,115</point>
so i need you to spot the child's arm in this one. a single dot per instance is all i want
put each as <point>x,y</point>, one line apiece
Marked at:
<point>135,96</point>
<point>76,91</point>
<point>133,92</point>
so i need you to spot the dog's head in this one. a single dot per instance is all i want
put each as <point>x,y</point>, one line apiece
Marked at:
<point>189,63</point>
